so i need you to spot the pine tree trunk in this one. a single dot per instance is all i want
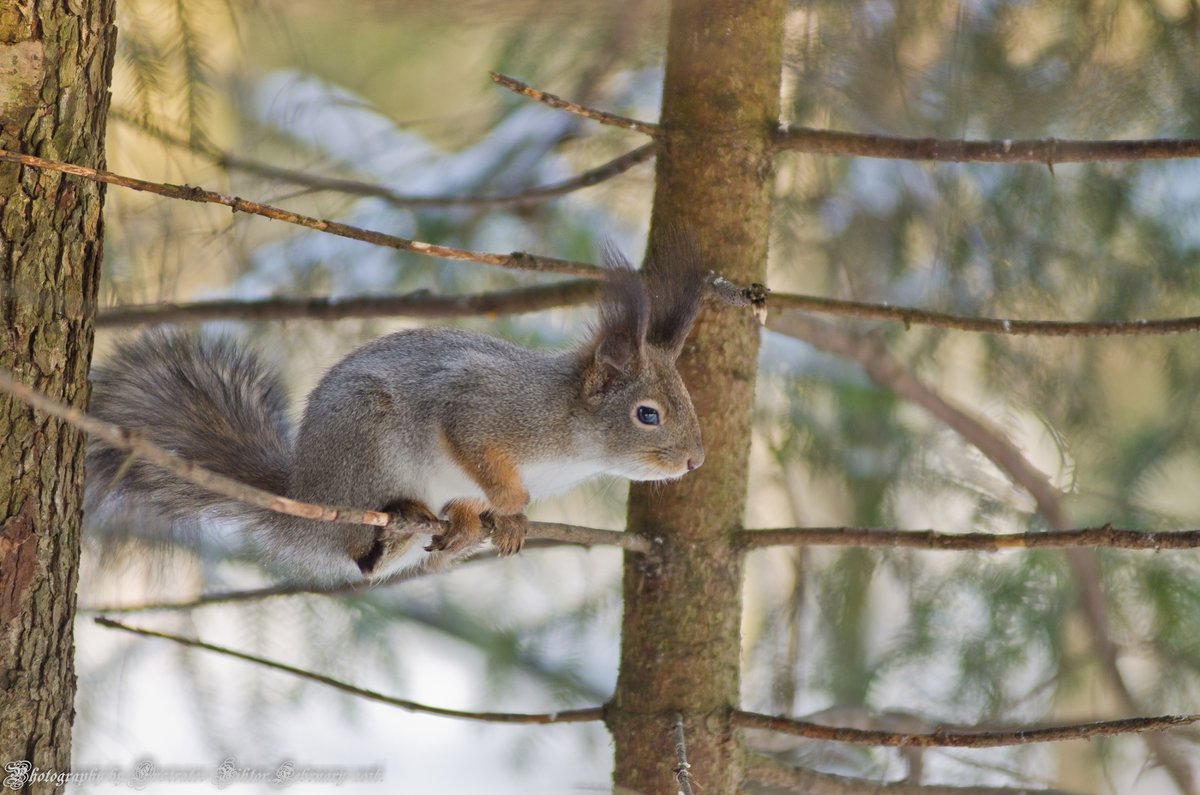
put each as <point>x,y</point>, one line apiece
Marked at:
<point>55,66</point>
<point>681,639</point>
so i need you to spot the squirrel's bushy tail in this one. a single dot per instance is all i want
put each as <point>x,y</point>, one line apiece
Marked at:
<point>208,400</point>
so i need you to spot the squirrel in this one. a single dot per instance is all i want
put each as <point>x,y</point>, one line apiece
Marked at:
<point>425,423</point>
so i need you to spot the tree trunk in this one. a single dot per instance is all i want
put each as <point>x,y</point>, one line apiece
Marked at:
<point>681,639</point>
<point>55,66</point>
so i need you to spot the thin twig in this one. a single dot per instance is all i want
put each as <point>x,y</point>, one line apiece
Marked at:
<point>128,441</point>
<point>1103,536</point>
<point>289,589</point>
<point>517,260</point>
<point>776,773</point>
<point>541,535</point>
<point>593,176</point>
<point>682,770</point>
<point>910,316</point>
<point>247,595</point>
<point>566,716</point>
<point>611,119</point>
<point>420,304</point>
<point>1046,151</point>
<point>959,739</point>
<point>354,187</point>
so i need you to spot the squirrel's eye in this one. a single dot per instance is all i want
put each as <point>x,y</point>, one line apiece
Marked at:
<point>647,415</point>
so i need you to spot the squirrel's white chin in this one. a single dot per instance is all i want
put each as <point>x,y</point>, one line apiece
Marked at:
<point>645,474</point>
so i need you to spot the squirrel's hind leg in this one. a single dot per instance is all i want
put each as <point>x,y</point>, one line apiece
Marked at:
<point>412,511</point>
<point>465,532</point>
<point>393,541</point>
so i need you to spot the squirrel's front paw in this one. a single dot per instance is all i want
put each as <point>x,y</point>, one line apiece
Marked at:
<point>508,532</point>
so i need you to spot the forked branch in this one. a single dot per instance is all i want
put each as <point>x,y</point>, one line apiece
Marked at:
<point>354,187</point>
<point>517,260</point>
<point>886,371</point>
<point>735,295</point>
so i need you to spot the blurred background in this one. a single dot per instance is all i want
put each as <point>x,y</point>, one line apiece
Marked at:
<point>260,99</point>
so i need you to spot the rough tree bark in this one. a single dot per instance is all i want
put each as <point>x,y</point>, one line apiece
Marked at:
<point>681,639</point>
<point>55,66</point>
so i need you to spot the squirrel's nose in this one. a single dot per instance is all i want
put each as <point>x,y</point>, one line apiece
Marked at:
<point>695,461</point>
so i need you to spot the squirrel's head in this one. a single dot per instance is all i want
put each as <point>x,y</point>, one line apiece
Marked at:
<point>630,380</point>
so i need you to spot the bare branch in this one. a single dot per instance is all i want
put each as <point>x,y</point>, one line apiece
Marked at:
<point>522,261</point>
<point>884,370</point>
<point>1103,536</point>
<point>566,716</point>
<point>125,440</point>
<point>1046,151</point>
<point>959,739</point>
<point>517,260</point>
<point>354,187</point>
<point>589,536</point>
<point>773,772</point>
<point>611,119</point>
<point>1042,328</point>
<point>417,304</point>
<point>682,770</point>
<point>572,293</point>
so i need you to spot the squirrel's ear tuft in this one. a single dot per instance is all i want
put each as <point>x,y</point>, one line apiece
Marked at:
<point>675,283</point>
<point>624,317</point>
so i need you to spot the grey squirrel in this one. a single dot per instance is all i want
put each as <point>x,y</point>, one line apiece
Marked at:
<point>424,423</point>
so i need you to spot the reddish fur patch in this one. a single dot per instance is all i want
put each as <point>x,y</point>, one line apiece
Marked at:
<point>495,473</point>
<point>18,558</point>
